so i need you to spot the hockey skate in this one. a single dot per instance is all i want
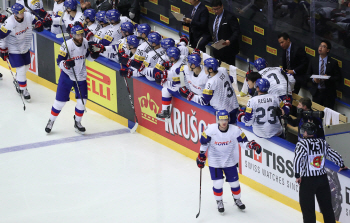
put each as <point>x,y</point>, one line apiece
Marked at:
<point>16,86</point>
<point>26,95</point>
<point>49,126</point>
<point>78,127</point>
<point>221,208</point>
<point>239,204</point>
<point>165,115</point>
<point>0,76</point>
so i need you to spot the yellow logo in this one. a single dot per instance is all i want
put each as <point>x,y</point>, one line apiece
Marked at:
<point>210,9</point>
<point>310,51</point>
<point>256,57</point>
<point>175,9</point>
<point>149,108</point>
<point>187,1</point>
<point>346,82</point>
<point>154,1</point>
<point>186,28</point>
<point>271,50</point>
<point>339,94</point>
<point>143,10</point>
<point>247,39</point>
<point>164,19</point>
<point>340,63</point>
<point>259,30</point>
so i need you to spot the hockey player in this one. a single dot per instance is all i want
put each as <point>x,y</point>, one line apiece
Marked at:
<point>113,34</point>
<point>143,30</point>
<point>221,140</point>
<point>132,43</point>
<point>69,59</point>
<point>218,89</point>
<point>101,19</point>
<point>72,16</point>
<point>3,54</point>
<point>195,79</point>
<point>170,80</point>
<point>18,32</point>
<point>262,111</point>
<point>277,79</point>
<point>90,21</point>
<point>58,9</point>
<point>182,45</point>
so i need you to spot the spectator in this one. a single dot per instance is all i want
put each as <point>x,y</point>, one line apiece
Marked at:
<point>305,105</point>
<point>294,60</point>
<point>197,20</point>
<point>226,27</point>
<point>98,5</point>
<point>130,8</point>
<point>323,91</point>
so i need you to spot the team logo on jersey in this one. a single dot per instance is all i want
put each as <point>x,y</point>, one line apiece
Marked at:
<point>317,161</point>
<point>22,31</point>
<point>222,143</point>
<point>149,108</point>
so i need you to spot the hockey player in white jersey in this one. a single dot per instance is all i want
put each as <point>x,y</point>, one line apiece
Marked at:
<point>3,51</point>
<point>222,141</point>
<point>143,30</point>
<point>113,34</point>
<point>90,21</point>
<point>182,45</point>
<point>18,32</point>
<point>57,12</point>
<point>72,16</point>
<point>132,44</point>
<point>195,79</point>
<point>262,111</point>
<point>101,19</point>
<point>170,80</point>
<point>71,57</point>
<point>218,91</point>
<point>277,78</point>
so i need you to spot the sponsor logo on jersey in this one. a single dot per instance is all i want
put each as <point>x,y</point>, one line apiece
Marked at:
<point>247,40</point>
<point>164,19</point>
<point>109,38</point>
<point>22,31</point>
<point>222,143</point>
<point>149,108</point>
<point>259,30</point>
<point>208,92</point>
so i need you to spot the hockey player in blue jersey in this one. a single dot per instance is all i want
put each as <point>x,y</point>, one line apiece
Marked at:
<point>222,141</point>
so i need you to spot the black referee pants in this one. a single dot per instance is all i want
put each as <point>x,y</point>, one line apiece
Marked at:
<point>319,186</point>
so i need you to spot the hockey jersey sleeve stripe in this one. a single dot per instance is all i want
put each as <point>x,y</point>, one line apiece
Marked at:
<point>204,139</point>
<point>60,58</point>
<point>159,67</point>
<point>139,58</point>
<point>208,92</point>
<point>105,42</point>
<point>207,98</point>
<point>242,138</point>
<point>4,32</point>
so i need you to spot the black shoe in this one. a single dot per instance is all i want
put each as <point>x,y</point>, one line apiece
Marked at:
<point>221,208</point>
<point>49,126</point>
<point>78,127</point>
<point>239,204</point>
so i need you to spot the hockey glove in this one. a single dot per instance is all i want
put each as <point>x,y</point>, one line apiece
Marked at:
<point>121,52</point>
<point>125,72</point>
<point>39,26</point>
<point>185,93</point>
<point>98,48</point>
<point>166,65</point>
<point>124,59</point>
<point>77,23</point>
<point>3,18</point>
<point>69,27</point>
<point>4,53</point>
<point>201,160</point>
<point>253,145</point>
<point>47,21</point>
<point>161,76</point>
<point>241,114</point>
<point>88,34</point>
<point>42,13</point>
<point>184,39</point>
<point>68,64</point>
<point>197,51</point>
<point>136,63</point>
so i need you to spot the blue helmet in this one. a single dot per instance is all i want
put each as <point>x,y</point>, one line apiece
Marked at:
<point>144,28</point>
<point>194,59</point>
<point>173,52</point>
<point>263,84</point>
<point>17,9</point>
<point>166,43</point>
<point>101,17</point>
<point>222,115</point>
<point>90,14</point>
<point>154,38</point>
<point>260,63</point>
<point>132,41</point>
<point>72,4</point>
<point>127,27</point>
<point>76,30</point>
<point>211,63</point>
<point>113,15</point>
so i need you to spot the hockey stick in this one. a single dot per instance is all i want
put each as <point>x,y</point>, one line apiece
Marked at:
<point>16,84</point>
<point>75,76</point>
<point>59,36</point>
<point>132,104</point>
<point>200,193</point>
<point>31,10</point>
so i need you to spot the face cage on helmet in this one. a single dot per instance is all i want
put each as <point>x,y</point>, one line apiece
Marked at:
<point>308,131</point>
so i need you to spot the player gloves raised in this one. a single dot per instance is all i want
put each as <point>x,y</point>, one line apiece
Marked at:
<point>69,63</point>
<point>161,77</point>
<point>39,26</point>
<point>253,145</point>
<point>4,53</point>
<point>166,65</point>
<point>47,22</point>
<point>241,114</point>
<point>201,160</point>
<point>185,93</point>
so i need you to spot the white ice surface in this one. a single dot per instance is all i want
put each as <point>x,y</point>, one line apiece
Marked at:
<point>119,178</point>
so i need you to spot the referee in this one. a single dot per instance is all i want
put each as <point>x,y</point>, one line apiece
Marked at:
<point>310,173</point>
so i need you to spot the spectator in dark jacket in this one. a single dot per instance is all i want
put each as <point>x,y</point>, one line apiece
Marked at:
<point>129,8</point>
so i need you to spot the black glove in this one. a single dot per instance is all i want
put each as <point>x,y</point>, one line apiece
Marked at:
<point>185,93</point>
<point>69,63</point>
<point>39,26</point>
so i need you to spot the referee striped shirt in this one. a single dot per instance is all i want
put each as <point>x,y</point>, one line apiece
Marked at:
<point>310,157</point>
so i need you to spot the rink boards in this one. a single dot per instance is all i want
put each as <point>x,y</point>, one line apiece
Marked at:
<point>270,173</point>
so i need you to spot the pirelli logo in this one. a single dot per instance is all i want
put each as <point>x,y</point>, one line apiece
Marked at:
<point>187,1</point>
<point>154,1</point>
<point>186,28</point>
<point>346,82</point>
<point>247,40</point>
<point>259,30</point>
<point>210,9</point>
<point>143,10</point>
<point>256,57</point>
<point>310,51</point>
<point>340,63</point>
<point>175,9</point>
<point>339,94</point>
<point>164,19</point>
<point>271,50</point>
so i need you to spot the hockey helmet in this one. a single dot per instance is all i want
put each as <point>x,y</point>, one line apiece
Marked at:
<point>263,85</point>
<point>260,64</point>
<point>309,127</point>
<point>144,28</point>
<point>113,15</point>
<point>76,30</point>
<point>195,59</point>
<point>211,63</point>
<point>167,43</point>
<point>154,38</point>
<point>173,52</point>
<point>90,14</point>
<point>222,115</point>
<point>101,17</point>
<point>132,40</point>
<point>127,27</point>
<point>72,4</point>
<point>17,9</point>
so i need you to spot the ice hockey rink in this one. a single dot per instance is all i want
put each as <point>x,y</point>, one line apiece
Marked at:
<point>107,175</point>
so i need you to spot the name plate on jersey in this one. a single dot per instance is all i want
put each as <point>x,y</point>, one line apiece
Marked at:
<point>139,58</point>
<point>109,38</point>
<point>160,67</point>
